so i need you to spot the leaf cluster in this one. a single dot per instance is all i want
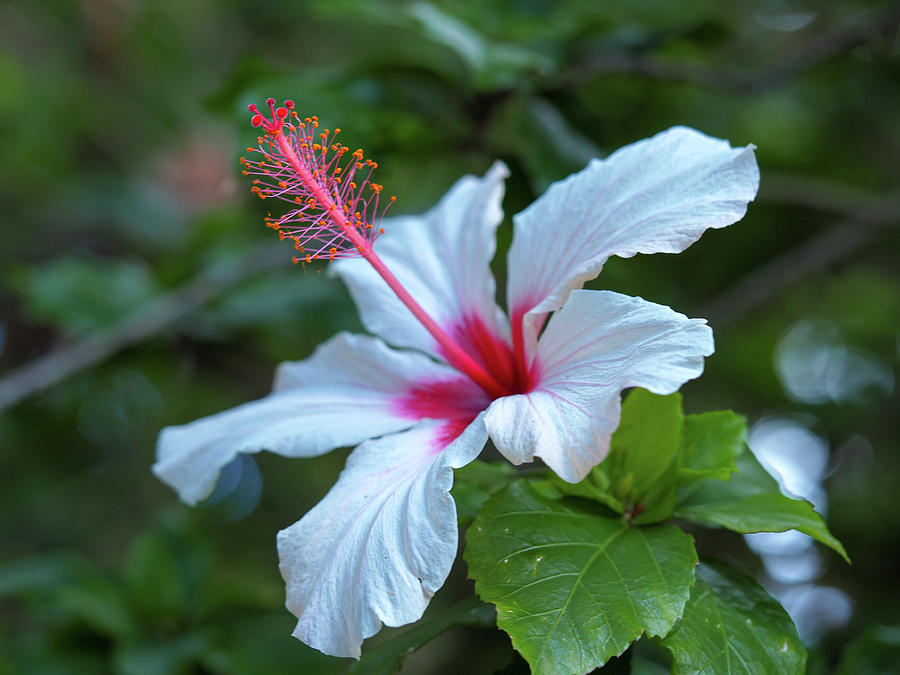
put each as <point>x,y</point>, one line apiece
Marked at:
<point>580,572</point>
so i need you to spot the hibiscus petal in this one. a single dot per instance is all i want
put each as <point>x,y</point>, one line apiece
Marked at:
<point>346,392</point>
<point>442,258</point>
<point>381,542</point>
<point>655,196</point>
<point>598,344</point>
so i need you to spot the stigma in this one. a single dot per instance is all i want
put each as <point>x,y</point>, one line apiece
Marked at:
<point>336,207</point>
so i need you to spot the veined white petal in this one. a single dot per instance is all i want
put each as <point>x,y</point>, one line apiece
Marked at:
<point>442,258</point>
<point>654,196</point>
<point>381,542</point>
<point>343,394</point>
<point>598,344</point>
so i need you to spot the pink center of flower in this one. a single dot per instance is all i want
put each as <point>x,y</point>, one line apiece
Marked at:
<point>337,215</point>
<point>457,401</point>
<point>496,355</point>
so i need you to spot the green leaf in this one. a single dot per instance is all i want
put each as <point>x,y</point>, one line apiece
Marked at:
<point>645,444</point>
<point>597,487</point>
<point>166,575</point>
<point>388,656</point>
<point>574,588</point>
<point>752,502</point>
<point>875,652</point>
<point>642,666</point>
<point>474,483</point>
<point>101,604</point>
<point>78,294</point>
<point>648,657</point>
<point>657,504</point>
<point>44,573</point>
<point>493,64</point>
<point>448,30</point>
<point>74,587</point>
<point>730,626</point>
<point>556,147</point>
<point>710,443</point>
<point>637,477</point>
<point>165,656</point>
<point>253,642</point>
<point>655,449</point>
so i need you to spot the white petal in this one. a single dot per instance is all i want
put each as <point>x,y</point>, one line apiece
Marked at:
<point>598,344</point>
<point>343,394</point>
<point>655,196</point>
<point>381,542</point>
<point>442,258</point>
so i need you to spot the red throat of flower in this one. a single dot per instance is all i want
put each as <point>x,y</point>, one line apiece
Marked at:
<point>335,210</point>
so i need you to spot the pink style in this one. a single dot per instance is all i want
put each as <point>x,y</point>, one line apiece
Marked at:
<point>544,383</point>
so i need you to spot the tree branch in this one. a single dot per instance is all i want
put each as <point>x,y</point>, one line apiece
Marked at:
<point>824,249</point>
<point>47,371</point>
<point>805,57</point>
<point>828,196</point>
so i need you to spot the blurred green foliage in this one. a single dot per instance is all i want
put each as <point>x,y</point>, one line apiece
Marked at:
<point>122,124</point>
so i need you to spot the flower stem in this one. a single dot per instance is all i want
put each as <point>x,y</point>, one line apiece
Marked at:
<point>454,354</point>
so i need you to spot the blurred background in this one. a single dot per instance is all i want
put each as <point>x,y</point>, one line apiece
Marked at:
<point>139,287</point>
